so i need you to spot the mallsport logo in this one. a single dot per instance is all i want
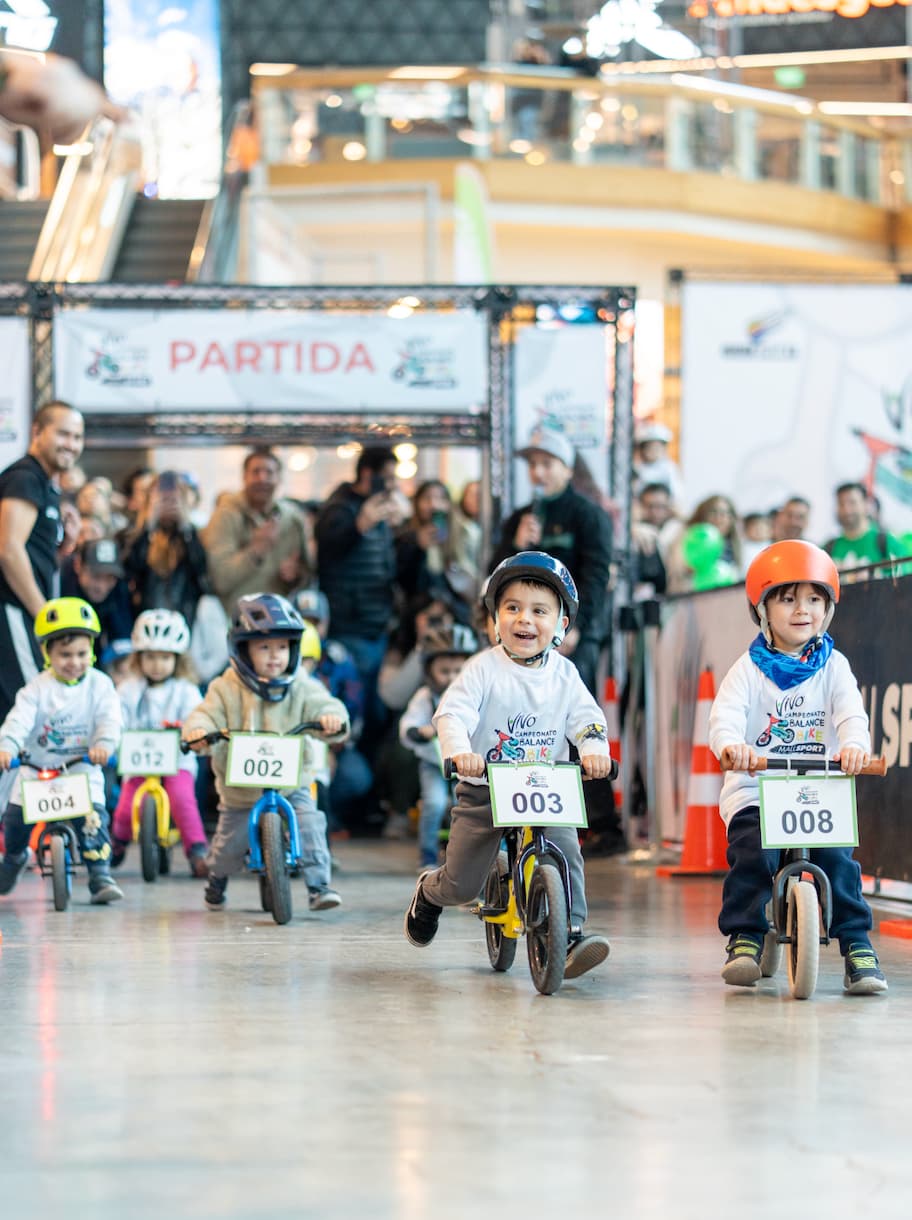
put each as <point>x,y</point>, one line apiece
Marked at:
<point>757,345</point>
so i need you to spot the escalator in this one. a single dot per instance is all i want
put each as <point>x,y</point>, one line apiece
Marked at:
<point>158,240</point>
<point>20,225</point>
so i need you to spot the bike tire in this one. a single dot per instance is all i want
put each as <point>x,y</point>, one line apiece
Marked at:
<point>803,929</point>
<point>501,948</point>
<point>148,839</point>
<point>265,895</point>
<point>771,956</point>
<point>272,836</point>
<point>59,875</point>
<point>547,928</point>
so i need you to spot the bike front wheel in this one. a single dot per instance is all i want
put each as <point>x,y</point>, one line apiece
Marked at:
<point>60,875</point>
<point>148,839</point>
<point>272,831</point>
<point>803,930</point>
<point>547,929</point>
<point>501,948</point>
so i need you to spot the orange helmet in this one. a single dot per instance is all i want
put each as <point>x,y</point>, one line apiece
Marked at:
<point>790,563</point>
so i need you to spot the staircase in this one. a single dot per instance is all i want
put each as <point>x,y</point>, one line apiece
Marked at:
<point>158,241</point>
<point>20,224</point>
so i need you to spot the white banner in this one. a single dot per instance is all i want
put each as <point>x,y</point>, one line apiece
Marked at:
<point>15,393</point>
<point>562,382</point>
<point>133,360</point>
<point>792,389</point>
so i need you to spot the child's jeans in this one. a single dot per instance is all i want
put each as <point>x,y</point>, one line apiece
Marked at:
<point>748,884</point>
<point>91,833</point>
<point>435,801</point>
<point>230,841</point>
<point>473,846</point>
<point>184,810</point>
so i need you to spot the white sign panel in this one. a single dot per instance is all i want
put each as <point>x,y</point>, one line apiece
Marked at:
<point>57,799</point>
<point>15,394</point>
<point>536,794</point>
<point>792,389</point>
<point>261,760</point>
<point>131,360</point>
<point>562,382</point>
<point>808,811</point>
<point>155,752</point>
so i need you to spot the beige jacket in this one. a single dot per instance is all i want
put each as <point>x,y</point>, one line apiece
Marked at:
<point>234,569</point>
<point>229,704</point>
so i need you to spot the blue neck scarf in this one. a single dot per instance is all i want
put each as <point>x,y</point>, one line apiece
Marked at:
<point>788,671</point>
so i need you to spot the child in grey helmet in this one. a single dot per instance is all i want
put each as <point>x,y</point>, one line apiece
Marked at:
<point>264,690</point>
<point>524,686</point>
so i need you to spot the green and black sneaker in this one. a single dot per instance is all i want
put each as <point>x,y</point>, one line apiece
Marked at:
<point>742,966</point>
<point>863,975</point>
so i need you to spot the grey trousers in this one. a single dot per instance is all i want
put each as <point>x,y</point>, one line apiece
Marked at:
<point>473,846</point>
<point>230,843</point>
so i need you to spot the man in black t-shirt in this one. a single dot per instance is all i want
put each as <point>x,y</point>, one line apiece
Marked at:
<point>31,531</point>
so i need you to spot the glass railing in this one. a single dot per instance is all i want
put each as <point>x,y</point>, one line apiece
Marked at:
<point>679,122</point>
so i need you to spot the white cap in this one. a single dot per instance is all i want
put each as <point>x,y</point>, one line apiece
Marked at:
<point>549,440</point>
<point>652,431</point>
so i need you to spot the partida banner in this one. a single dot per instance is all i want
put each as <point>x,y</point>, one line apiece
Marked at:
<point>135,361</point>
<point>15,395</point>
<point>792,389</point>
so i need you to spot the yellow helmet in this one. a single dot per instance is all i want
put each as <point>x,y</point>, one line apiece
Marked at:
<point>311,646</point>
<point>66,616</point>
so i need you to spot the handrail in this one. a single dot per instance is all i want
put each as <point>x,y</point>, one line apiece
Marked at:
<point>26,180</point>
<point>216,234</point>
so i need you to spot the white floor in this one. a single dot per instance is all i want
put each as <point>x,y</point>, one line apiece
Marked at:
<point>158,1060</point>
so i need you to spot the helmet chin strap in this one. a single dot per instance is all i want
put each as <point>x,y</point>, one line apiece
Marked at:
<point>556,642</point>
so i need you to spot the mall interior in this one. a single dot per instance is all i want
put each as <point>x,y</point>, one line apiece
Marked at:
<point>415,260</point>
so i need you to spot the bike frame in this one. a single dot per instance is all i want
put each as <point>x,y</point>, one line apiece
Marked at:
<point>152,786</point>
<point>526,845</point>
<point>795,865</point>
<point>272,801</point>
<point>43,847</point>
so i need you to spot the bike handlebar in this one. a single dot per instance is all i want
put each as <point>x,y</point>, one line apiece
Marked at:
<point>450,772</point>
<point>877,766</point>
<point>24,760</point>
<point>308,726</point>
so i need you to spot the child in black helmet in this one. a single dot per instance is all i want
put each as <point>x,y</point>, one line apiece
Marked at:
<point>264,690</point>
<point>445,650</point>
<point>525,691</point>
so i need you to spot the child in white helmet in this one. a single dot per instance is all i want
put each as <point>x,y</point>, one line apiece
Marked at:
<point>158,694</point>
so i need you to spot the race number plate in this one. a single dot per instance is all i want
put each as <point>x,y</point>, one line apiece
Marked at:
<point>56,800</point>
<point>156,752</point>
<point>808,811</point>
<point>536,794</point>
<point>261,760</point>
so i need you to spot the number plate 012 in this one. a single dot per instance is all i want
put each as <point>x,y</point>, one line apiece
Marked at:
<point>155,752</point>
<point>536,794</point>
<point>262,760</point>
<point>808,811</point>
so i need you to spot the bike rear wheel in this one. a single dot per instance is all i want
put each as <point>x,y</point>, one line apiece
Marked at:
<point>501,948</point>
<point>272,832</point>
<point>803,929</point>
<point>148,839</point>
<point>771,956</point>
<point>265,896</point>
<point>60,876</point>
<point>547,929</point>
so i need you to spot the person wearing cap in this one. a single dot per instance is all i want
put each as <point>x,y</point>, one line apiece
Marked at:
<point>651,463</point>
<point>574,530</point>
<point>94,573</point>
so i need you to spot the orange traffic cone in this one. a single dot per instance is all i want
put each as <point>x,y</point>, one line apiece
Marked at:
<point>705,838</point>
<point>611,710</point>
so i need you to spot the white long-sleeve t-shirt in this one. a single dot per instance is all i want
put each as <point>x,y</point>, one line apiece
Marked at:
<point>531,710</point>
<point>818,717</point>
<point>420,711</point>
<point>52,722</point>
<point>154,705</point>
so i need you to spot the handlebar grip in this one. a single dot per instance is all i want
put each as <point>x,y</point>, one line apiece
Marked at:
<point>448,769</point>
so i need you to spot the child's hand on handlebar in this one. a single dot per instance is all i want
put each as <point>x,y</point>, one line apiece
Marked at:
<point>740,758</point>
<point>330,723</point>
<point>470,766</point>
<point>99,755</point>
<point>596,766</point>
<point>196,740</point>
<point>5,759</point>
<point>851,760</point>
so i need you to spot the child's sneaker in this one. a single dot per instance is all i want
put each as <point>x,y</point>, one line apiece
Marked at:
<point>584,953</point>
<point>863,975</point>
<point>421,918</point>
<point>323,900</point>
<point>214,893</point>
<point>196,858</point>
<point>104,889</point>
<point>742,966</point>
<point>11,869</point>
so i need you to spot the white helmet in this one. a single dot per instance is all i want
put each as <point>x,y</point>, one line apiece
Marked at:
<point>160,631</point>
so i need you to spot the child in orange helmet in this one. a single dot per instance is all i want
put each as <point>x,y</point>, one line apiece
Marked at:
<point>791,676</point>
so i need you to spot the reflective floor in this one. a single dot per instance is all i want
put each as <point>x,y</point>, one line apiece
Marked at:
<point>159,1060</point>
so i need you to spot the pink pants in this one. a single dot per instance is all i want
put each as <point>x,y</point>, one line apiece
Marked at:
<point>185,812</point>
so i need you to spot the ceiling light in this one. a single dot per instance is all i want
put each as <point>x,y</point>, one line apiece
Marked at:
<point>272,69</point>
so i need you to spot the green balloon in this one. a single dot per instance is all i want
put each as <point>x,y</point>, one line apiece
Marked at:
<point>701,546</point>
<point>717,574</point>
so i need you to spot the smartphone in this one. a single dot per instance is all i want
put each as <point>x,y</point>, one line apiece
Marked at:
<point>441,522</point>
<point>378,485</point>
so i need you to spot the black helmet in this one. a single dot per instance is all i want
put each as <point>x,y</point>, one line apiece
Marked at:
<point>534,565</point>
<point>454,641</point>
<point>265,616</point>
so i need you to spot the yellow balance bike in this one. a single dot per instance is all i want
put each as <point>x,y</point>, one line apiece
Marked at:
<point>152,756</point>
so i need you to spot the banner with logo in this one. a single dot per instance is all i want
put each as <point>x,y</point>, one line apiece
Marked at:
<point>561,381</point>
<point>15,390</point>
<point>132,360</point>
<point>792,389</point>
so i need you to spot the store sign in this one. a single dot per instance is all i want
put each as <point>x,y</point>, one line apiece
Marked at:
<point>780,8</point>
<point>136,361</point>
